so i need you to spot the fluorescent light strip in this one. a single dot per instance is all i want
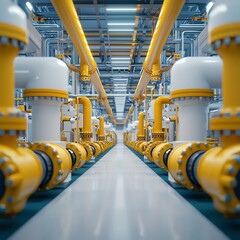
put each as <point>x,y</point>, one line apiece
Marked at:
<point>29,6</point>
<point>116,68</point>
<point>120,79</point>
<point>121,24</point>
<point>121,9</point>
<point>120,58</point>
<point>121,30</point>
<point>114,62</point>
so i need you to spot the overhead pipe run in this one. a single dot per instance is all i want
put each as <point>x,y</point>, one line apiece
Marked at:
<point>169,13</point>
<point>69,17</point>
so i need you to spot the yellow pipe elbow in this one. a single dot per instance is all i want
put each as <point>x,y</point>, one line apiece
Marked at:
<point>157,133</point>
<point>87,118</point>
<point>101,135</point>
<point>141,133</point>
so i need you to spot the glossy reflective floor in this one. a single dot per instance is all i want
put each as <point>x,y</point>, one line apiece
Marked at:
<point>119,198</point>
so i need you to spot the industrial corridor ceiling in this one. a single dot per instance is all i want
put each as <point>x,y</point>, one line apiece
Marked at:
<point>118,34</point>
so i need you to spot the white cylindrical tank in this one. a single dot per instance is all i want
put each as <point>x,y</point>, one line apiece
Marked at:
<point>37,73</point>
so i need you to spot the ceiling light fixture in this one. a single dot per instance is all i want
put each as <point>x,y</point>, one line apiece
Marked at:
<point>29,6</point>
<point>209,6</point>
<point>120,58</point>
<point>120,24</point>
<point>121,9</point>
<point>120,30</point>
<point>120,61</point>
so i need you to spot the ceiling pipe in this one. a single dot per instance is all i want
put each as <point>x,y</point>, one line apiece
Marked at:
<point>169,13</point>
<point>69,17</point>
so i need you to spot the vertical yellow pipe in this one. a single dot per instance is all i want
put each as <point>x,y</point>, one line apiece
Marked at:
<point>140,134</point>
<point>87,118</point>
<point>101,135</point>
<point>157,133</point>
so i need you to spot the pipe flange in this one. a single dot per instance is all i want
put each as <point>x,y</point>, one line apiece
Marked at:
<point>20,176</point>
<point>37,94</point>
<point>88,150</point>
<point>142,147</point>
<point>178,161</point>
<point>80,154</point>
<point>149,149</point>
<point>12,41</point>
<point>158,154</point>
<point>98,148</point>
<point>61,162</point>
<point>159,136</point>
<point>223,182</point>
<point>156,77</point>
<point>86,135</point>
<point>83,77</point>
<point>140,138</point>
<point>192,94</point>
<point>227,122</point>
<point>224,35</point>
<point>12,122</point>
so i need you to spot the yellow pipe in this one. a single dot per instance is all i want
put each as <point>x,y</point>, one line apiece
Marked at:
<point>101,135</point>
<point>156,69</point>
<point>169,13</point>
<point>157,133</point>
<point>87,118</point>
<point>221,181</point>
<point>69,17</point>
<point>141,132</point>
<point>84,75</point>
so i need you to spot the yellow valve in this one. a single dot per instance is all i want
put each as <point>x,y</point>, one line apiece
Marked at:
<point>221,181</point>
<point>60,159</point>
<point>178,163</point>
<point>161,153</point>
<point>88,148</point>
<point>79,154</point>
<point>98,148</point>
<point>20,174</point>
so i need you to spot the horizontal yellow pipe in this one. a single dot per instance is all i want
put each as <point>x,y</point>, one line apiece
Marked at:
<point>168,15</point>
<point>68,15</point>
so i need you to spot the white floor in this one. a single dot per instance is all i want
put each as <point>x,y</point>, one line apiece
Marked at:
<point>119,198</point>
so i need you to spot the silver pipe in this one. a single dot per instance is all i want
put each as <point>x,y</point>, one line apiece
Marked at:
<point>182,53</point>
